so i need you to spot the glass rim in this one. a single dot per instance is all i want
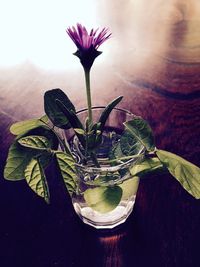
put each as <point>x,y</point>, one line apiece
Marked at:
<point>115,168</point>
<point>101,107</point>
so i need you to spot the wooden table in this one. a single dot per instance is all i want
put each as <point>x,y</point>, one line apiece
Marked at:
<point>158,72</point>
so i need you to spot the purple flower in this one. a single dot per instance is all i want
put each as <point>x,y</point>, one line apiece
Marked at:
<point>87,43</point>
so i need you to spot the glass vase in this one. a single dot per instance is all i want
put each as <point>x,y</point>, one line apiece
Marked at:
<point>106,193</point>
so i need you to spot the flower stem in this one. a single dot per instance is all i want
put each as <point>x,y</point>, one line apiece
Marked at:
<point>89,102</point>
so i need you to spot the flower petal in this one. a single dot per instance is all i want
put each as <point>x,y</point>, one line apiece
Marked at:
<point>83,40</point>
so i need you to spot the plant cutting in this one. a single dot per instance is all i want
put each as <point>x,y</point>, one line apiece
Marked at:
<point>101,152</point>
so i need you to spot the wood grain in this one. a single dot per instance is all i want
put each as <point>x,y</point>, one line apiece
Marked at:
<point>155,64</point>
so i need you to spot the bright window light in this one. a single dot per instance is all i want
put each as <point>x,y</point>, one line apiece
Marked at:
<point>34,31</point>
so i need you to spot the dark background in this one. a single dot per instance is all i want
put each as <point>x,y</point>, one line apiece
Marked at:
<point>155,64</point>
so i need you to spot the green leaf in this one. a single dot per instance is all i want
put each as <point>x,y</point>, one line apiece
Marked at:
<point>184,171</point>
<point>73,120</point>
<point>53,111</point>
<point>105,114</point>
<point>94,137</point>
<point>116,152</point>
<point>35,142</point>
<point>36,179</point>
<point>70,115</point>
<point>147,165</point>
<point>141,131</point>
<point>103,199</point>
<point>44,119</point>
<point>129,144</point>
<point>17,160</point>
<point>22,127</point>
<point>19,156</point>
<point>67,169</point>
<point>45,132</point>
<point>130,187</point>
<point>79,131</point>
